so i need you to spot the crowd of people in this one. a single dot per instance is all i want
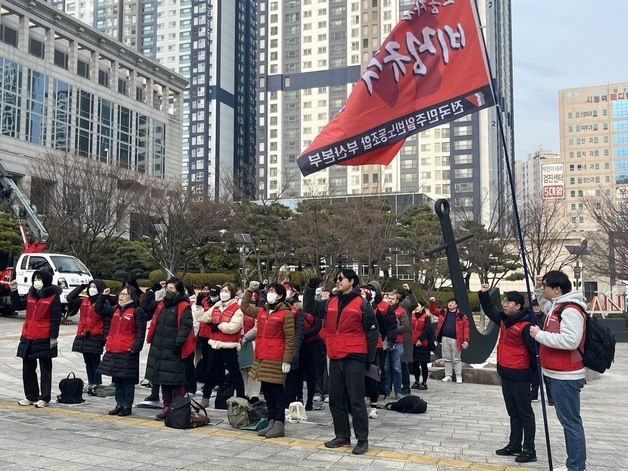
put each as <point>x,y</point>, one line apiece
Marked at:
<point>271,338</point>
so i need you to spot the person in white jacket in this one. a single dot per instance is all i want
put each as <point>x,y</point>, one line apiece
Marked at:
<point>225,318</point>
<point>561,343</point>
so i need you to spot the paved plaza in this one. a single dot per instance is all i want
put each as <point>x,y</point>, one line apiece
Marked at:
<point>463,426</point>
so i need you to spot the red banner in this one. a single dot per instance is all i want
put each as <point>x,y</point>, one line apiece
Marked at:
<point>430,70</point>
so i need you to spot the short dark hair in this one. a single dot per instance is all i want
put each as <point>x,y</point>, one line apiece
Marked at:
<point>557,279</point>
<point>349,274</point>
<point>279,289</point>
<point>178,284</point>
<point>515,297</point>
<point>231,287</point>
<point>453,299</point>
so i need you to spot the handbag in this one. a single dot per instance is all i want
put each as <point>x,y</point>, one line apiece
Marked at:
<point>71,390</point>
<point>186,413</point>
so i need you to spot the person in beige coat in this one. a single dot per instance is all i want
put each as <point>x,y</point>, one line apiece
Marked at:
<point>225,319</point>
<point>274,349</point>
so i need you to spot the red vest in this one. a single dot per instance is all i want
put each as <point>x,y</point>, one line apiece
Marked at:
<point>225,316</point>
<point>399,311</point>
<point>247,324</point>
<point>554,358</point>
<point>122,332</point>
<point>382,307</point>
<point>37,322</point>
<point>89,321</point>
<point>190,343</point>
<point>204,329</point>
<point>270,342</point>
<point>345,335</point>
<point>418,326</point>
<point>511,351</point>
<point>308,323</point>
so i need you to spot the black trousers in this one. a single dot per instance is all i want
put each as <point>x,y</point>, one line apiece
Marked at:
<point>307,367</point>
<point>220,359</point>
<point>294,386</point>
<point>29,378</point>
<point>548,392</point>
<point>522,424</point>
<point>321,373</point>
<point>420,368</point>
<point>381,362</point>
<point>92,360</point>
<point>275,398</point>
<point>202,370</point>
<point>405,375</point>
<point>346,395</point>
<point>372,387</point>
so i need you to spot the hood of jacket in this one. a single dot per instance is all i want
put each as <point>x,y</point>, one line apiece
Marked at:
<point>571,297</point>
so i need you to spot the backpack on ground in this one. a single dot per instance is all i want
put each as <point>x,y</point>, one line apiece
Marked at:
<point>224,393</point>
<point>238,412</point>
<point>259,411</point>
<point>186,413</point>
<point>71,390</point>
<point>408,405</point>
<point>599,343</point>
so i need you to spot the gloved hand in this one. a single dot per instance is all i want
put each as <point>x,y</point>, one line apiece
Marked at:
<point>199,298</point>
<point>176,350</point>
<point>254,286</point>
<point>13,285</point>
<point>314,282</point>
<point>465,345</point>
<point>214,327</point>
<point>155,287</point>
<point>285,368</point>
<point>243,341</point>
<point>53,343</point>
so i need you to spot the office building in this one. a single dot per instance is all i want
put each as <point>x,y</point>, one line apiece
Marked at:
<point>212,44</point>
<point>528,178</point>
<point>311,54</point>
<point>68,88</point>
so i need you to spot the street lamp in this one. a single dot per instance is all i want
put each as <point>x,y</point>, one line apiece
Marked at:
<point>577,250</point>
<point>244,239</point>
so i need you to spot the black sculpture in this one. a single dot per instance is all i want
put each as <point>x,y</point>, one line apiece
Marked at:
<point>481,344</point>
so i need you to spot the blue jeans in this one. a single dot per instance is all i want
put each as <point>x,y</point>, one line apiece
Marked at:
<point>392,368</point>
<point>566,395</point>
<point>125,392</point>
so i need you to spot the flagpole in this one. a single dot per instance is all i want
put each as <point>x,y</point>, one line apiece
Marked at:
<point>522,248</point>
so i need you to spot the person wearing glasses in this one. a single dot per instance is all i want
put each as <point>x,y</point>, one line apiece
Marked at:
<point>516,361</point>
<point>351,333</point>
<point>124,342</point>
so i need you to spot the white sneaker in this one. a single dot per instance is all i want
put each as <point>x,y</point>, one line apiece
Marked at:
<point>326,399</point>
<point>25,402</point>
<point>373,414</point>
<point>446,379</point>
<point>41,403</point>
<point>458,379</point>
<point>317,398</point>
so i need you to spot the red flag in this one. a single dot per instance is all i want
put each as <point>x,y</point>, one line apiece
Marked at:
<point>430,70</point>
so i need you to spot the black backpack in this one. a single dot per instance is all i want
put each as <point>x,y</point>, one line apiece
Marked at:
<point>71,390</point>
<point>408,405</point>
<point>599,342</point>
<point>181,415</point>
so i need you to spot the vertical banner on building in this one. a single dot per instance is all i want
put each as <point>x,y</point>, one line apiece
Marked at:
<point>553,181</point>
<point>430,70</point>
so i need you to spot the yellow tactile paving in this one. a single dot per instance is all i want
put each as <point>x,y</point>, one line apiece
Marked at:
<point>288,441</point>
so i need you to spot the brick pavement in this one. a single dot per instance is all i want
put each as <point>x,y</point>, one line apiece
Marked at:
<point>464,424</point>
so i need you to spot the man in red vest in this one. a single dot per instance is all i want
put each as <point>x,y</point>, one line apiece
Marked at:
<point>562,340</point>
<point>516,361</point>
<point>351,332</point>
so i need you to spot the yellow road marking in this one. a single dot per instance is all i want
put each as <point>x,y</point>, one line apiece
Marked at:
<point>252,436</point>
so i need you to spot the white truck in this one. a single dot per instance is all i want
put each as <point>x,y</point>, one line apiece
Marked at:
<point>67,271</point>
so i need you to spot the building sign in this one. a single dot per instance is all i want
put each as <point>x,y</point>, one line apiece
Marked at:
<point>553,181</point>
<point>603,98</point>
<point>430,70</point>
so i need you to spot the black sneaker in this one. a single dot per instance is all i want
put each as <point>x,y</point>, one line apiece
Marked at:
<point>422,387</point>
<point>415,385</point>
<point>526,456</point>
<point>124,412</point>
<point>152,398</point>
<point>406,391</point>
<point>338,442</point>
<point>115,411</point>
<point>361,447</point>
<point>508,451</point>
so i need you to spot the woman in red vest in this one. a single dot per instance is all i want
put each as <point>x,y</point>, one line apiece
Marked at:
<point>274,349</point>
<point>171,335</point>
<point>91,330</point>
<point>39,336</point>
<point>422,340</point>
<point>124,342</point>
<point>225,320</point>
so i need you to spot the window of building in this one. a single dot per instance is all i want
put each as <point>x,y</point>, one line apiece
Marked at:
<point>10,91</point>
<point>36,110</point>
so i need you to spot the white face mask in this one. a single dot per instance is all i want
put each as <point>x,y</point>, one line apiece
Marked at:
<point>272,298</point>
<point>38,284</point>
<point>225,296</point>
<point>300,298</point>
<point>93,291</point>
<point>214,298</point>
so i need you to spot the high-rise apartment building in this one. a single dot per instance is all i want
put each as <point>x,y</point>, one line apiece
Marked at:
<point>593,146</point>
<point>213,44</point>
<point>310,55</point>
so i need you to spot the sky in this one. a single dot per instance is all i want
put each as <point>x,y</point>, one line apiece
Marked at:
<point>558,44</point>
